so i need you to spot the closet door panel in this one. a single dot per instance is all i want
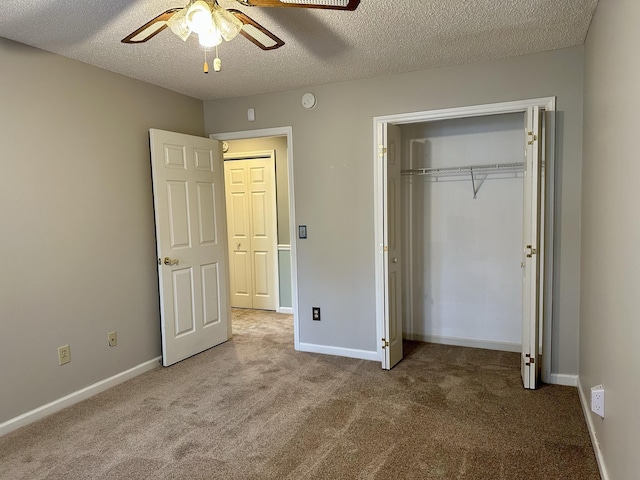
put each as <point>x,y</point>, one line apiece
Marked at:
<point>530,364</point>
<point>238,231</point>
<point>393,333</point>
<point>251,210</point>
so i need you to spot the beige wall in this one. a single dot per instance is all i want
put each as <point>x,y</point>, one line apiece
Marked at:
<point>77,240</point>
<point>609,325</point>
<point>333,176</point>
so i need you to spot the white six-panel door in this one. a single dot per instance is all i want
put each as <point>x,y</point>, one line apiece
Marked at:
<point>188,189</point>
<point>251,212</point>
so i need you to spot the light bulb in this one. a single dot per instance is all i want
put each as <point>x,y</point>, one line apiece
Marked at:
<point>199,17</point>
<point>210,38</point>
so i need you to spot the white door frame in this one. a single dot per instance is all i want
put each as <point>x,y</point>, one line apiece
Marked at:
<point>279,132</point>
<point>549,106</point>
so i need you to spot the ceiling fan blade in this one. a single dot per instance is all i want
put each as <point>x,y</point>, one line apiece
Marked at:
<point>256,33</point>
<point>151,28</point>
<point>327,4</point>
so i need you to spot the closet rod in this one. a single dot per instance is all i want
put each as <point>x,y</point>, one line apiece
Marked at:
<point>514,167</point>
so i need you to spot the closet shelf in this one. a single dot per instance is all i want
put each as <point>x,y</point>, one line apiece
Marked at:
<point>475,172</point>
<point>486,169</point>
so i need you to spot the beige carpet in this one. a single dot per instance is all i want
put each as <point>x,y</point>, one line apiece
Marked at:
<point>254,408</point>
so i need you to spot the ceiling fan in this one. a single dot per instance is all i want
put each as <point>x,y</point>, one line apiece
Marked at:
<point>213,23</point>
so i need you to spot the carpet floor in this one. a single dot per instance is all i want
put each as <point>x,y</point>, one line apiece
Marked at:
<point>254,408</point>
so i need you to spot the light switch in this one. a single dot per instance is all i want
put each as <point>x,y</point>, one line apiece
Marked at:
<point>302,231</point>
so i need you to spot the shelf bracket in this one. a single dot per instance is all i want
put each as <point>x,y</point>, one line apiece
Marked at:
<point>473,184</point>
<point>476,187</point>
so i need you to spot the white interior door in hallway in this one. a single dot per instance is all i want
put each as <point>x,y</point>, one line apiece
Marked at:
<point>191,243</point>
<point>472,234</point>
<point>252,230</point>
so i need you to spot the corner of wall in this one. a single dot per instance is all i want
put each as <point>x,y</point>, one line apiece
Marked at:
<point>589,417</point>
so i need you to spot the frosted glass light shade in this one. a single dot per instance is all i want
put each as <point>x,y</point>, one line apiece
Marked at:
<point>199,17</point>
<point>228,24</point>
<point>178,24</point>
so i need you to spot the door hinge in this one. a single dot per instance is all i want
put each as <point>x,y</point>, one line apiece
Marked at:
<point>529,360</point>
<point>532,137</point>
<point>382,150</point>
<point>532,251</point>
<point>385,344</point>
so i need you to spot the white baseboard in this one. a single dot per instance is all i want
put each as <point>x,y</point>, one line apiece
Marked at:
<point>341,352</point>
<point>562,379</point>
<point>287,310</point>
<point>463,342</point>
<point>75,397</point>
<point>589,417</point>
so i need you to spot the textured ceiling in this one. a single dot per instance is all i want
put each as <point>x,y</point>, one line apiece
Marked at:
<point>321,46</point>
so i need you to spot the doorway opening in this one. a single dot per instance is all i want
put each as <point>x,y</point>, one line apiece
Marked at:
<point>255,145</point>
<point>464,214</point>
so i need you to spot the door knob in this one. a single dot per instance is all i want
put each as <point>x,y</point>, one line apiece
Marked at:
<point>395,260</point>
<point>238,245</point>
<point>169,261</point>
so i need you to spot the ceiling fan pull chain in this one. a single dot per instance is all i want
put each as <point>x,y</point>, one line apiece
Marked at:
<point>217,63</point>
<point>205,68</point>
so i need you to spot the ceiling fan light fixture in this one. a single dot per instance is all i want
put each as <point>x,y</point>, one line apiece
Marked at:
<point>178,24</point>
<point>199,17</point>
<point>227,23</point>
<point>211,38</point>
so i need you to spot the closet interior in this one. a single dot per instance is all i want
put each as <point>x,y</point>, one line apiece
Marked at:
<point>462,230</point>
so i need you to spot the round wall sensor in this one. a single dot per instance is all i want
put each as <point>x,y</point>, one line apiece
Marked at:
<point>308,100</point>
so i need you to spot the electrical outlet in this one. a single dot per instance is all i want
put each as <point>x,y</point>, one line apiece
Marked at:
<point>64,354</point>
<point>315,313</point>
<point>113,338</point>
<point>597,400</point>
